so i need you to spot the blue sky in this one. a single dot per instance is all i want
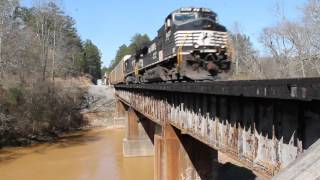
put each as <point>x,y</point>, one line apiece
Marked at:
<point>111,23</point>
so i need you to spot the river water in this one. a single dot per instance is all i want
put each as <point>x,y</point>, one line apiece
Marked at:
<point>86,155</point>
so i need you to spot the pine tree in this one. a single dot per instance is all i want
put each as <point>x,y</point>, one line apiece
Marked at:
<point>92,59</point>
<point>138,41</point>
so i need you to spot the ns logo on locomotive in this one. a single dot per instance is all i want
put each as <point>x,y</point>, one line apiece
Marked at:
<point>190,46</point>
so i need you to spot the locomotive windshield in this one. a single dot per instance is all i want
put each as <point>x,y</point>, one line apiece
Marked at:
<point>181,18</point>
<point>209,16</point>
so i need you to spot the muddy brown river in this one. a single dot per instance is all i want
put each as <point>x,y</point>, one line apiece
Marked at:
<point>87,155</point>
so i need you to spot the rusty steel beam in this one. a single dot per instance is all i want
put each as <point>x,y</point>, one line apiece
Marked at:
<point>301,89</point>
<point>265,135</point>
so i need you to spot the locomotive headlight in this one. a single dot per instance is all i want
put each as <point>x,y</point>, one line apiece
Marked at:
<point>186,9</point>
<point>205,10</point>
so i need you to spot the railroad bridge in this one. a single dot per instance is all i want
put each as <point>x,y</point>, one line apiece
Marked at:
<point>260,125</point>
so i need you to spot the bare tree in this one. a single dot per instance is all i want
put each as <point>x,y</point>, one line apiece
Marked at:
<point>57,21</point>
<point>294,45</point>
<point>311,21</point>
<point>276,43</point>
<point>6,10</point>
<point>48,27</point>
<point>244,56</point>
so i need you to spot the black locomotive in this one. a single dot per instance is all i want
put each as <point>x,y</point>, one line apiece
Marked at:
<point>191,45</point>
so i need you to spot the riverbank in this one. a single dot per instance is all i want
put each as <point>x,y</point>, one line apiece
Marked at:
<point>92,152</point>
<point>41,111</point>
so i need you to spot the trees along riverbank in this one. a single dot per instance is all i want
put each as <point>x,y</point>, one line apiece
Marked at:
<point>42,58</point>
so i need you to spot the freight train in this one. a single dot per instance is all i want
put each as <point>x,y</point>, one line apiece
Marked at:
<point>190,46</point>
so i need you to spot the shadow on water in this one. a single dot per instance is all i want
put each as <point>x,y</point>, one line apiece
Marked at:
<point>7,156</point>
<point>79,138</point>
<point>76,140</point>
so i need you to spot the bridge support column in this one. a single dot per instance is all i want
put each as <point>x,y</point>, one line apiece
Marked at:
<point>137,142</point>
<point>120,118</point>
<point>167,149</point>
<point>171,160</point>
<point>172,153</point>
<point>120,109</point>
<point>158,153</point>
<point>133,125</point>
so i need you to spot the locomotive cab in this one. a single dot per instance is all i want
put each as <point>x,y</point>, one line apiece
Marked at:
<point>195,16</point>
<point>193,25</point>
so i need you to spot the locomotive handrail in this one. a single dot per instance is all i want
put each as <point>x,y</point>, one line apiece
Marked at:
<point>180,55</point>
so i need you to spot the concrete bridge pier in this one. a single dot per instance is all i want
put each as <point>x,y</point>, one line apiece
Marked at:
<point>120,117</point>
<point>137,142</point>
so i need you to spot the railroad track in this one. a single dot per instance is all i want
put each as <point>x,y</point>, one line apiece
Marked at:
<point>301,89</point>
